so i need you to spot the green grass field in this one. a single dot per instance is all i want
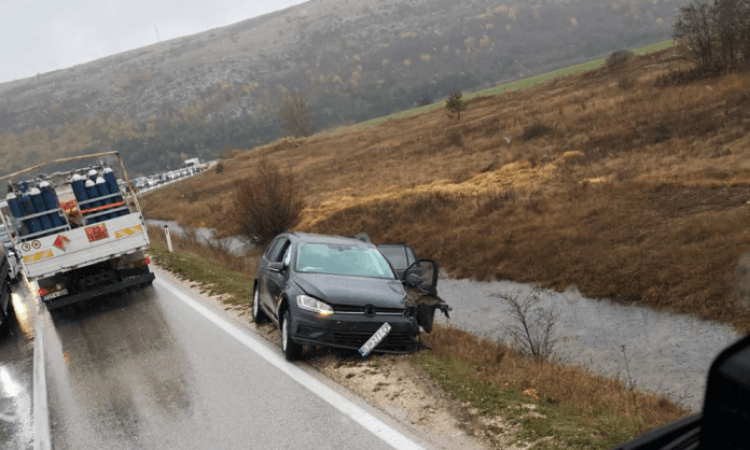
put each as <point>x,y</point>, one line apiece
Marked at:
<point>519,84</point>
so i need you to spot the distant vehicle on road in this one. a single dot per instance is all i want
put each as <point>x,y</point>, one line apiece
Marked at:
<point>337,292</point>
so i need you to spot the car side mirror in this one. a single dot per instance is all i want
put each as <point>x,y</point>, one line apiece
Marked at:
<point>414,279</point>
<point>276,266</point>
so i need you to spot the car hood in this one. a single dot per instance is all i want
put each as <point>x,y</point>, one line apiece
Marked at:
<point>352,291</point>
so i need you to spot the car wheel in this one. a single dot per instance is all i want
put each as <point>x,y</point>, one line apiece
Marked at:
<point>291,349</point>
<point>258,315</point>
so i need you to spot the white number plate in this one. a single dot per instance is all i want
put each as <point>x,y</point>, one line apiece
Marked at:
<point>375,339</point>
<point>59,293</point>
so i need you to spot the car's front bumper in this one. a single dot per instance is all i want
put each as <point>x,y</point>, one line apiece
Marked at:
<point>352,331</point>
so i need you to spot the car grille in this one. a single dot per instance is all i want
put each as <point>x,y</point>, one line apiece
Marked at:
<point>346,309</point>
<point>393,342</point>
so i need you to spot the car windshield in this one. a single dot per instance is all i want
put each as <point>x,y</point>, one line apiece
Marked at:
<point>343,259</point>
<point>396,255</point>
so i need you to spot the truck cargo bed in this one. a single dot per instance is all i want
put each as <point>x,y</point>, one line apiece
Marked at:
<point>84,246</point>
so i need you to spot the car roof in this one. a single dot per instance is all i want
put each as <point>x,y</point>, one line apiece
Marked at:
<point>329,239</point>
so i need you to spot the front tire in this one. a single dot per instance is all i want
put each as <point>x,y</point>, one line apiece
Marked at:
<point>258,315</point>
<point>291,349</point>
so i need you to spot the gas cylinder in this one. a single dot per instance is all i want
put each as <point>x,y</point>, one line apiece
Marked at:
<point>50,201</point>
<point>40,207</point>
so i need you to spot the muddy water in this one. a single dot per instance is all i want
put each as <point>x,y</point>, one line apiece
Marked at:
<point>665,353</point>
<point>234,244</point>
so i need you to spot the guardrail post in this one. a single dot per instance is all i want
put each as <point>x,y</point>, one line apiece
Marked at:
<point>169,239</point>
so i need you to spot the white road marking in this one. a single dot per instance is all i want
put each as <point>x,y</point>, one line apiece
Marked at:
<point>377,427</point>
<point>42,439</point>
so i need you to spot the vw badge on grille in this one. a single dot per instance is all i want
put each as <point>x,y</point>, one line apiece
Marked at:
<point>370,311</point>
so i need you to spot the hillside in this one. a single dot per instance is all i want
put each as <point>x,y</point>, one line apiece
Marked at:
<point>353,60</point>
<point>639,194</point>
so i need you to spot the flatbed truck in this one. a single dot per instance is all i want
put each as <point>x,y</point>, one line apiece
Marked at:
<point>77,233</point>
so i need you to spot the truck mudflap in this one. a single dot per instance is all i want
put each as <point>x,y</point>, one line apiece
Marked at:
<point>132,281</point>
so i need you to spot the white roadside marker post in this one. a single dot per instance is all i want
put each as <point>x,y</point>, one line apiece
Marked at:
<point>169,239</point>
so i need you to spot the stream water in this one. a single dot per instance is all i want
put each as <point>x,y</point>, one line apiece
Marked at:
<point>656,351</point>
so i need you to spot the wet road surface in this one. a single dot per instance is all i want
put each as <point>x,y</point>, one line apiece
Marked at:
<point>16,387</point>
<point>145,370</point>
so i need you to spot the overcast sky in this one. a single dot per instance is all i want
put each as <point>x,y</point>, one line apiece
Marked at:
<point>38,36</point>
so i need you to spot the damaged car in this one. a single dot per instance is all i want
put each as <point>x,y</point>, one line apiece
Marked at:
<point>341,292</point>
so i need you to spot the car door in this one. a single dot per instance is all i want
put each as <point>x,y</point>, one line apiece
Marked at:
<point>277,278</point>
<point>271,253</point>
<point>420,283</point>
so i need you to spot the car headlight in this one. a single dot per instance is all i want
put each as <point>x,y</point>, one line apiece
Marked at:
<point>311,304</point>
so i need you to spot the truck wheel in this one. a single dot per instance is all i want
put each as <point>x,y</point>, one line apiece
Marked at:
<point>5,325</point>
<point>291,349</point>
<point>258,315</point>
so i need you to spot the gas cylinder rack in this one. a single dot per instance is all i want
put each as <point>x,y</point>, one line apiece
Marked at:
<point>77,234</point>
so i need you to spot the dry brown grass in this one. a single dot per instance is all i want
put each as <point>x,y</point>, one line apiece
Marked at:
<point>590,394</point>
<point>638,195</point>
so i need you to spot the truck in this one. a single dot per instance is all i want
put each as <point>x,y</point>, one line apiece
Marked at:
<point>77,233</point>
<point>195,165</point>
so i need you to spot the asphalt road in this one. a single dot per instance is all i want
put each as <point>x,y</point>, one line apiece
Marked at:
<point>159,369</point>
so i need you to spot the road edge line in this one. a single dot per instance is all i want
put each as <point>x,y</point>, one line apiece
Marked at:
<point>377,427</point>
<point>40,408</point>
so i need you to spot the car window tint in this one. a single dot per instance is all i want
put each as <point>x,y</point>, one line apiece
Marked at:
<point>287,259</point>
<point>338,259</point>
<point>411,256</point>
<point>278,251</point>
<point>396,255</point>
<point>271,247</point>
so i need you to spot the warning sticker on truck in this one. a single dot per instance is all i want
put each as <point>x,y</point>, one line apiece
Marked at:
<point>125,232</point>
<point>97,232</point>
<point>29,259</point>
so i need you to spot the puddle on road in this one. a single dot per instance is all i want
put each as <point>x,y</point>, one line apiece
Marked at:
<point>666,353</point>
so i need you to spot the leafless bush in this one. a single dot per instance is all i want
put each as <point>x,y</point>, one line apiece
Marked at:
<point>533,330</point>
<point>618,58</point>
<point>267,203</point>
<point>190,235</point>
<point>626,84</point>
<point>716,34</point>
<point>536,130</point>
<point>296,115</point>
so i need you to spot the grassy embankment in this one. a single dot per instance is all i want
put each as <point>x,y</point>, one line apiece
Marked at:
<point>559,406</point>
<point>633,194</point>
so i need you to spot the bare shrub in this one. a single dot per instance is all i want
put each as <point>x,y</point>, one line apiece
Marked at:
<point>454,137</point>
<point>536,130</point>
<point>626,84</point>
<point>694,29</point>
<point>715,34</point>
<point>267,203</point>
<point>533,331</point>
<point>296,115</point>
<point>618,58</point>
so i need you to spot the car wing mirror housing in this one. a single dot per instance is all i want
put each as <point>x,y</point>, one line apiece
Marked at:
<point>276,266</point>
<point>414,279</point>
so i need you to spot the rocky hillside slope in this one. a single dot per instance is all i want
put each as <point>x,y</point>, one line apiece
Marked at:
<point>353,60</point>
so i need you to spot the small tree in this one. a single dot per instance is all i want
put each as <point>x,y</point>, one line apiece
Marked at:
<point>533,329</point>
<point>455,104</point>
<point>266,203</point>
<point>296,115</point>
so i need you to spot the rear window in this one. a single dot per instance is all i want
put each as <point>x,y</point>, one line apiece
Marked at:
<point>396,255</point>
